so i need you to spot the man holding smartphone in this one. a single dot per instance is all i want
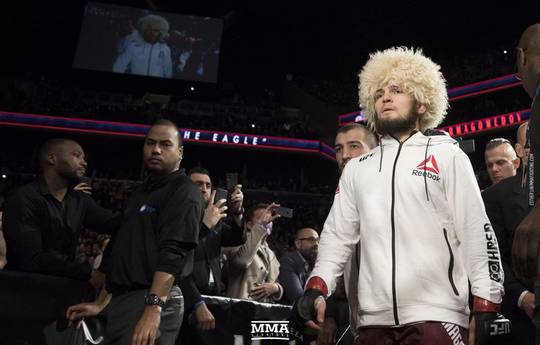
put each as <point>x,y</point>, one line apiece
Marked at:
<point>216,231</point>
<point>253,267</point>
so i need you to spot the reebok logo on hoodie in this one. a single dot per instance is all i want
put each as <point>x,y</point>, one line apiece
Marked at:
<point>428,168</point>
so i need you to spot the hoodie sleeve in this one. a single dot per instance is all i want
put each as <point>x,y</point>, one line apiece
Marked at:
<point>474,231</point>
<point>340,233</point>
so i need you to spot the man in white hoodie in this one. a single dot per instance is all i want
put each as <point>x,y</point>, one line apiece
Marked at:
<point>145,51</point>
<point>414,207</point>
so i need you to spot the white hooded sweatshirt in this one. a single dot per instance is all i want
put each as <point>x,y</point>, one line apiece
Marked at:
<point>416,212</point>
<point>143,58</point>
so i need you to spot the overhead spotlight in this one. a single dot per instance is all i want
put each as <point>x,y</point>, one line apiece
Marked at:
<point>192,88</point>
<point>4,176</point>
<point>505,51</point>
<point>252,125</point>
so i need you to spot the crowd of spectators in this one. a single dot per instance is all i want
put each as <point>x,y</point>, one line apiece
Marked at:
<point>310,201</point>
<point>458,70</point>
<point>491,104</point>
<point>232,114</point>
<point>264,115</point>
<point>310,206</point>
<point>486,64</point>
<point>333,91</point>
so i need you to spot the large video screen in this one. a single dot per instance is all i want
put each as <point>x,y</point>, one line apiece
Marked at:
<point>135,41</point>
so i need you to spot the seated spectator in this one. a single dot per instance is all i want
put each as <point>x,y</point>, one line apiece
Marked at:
<point>501,160</point>
<point>43,219</point>
<point>295,266</point>
<point>253,267</point>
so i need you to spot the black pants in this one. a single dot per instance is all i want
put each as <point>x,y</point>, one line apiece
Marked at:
<point>223,333</point>
<point>124,311</point>
<point>425,333</point>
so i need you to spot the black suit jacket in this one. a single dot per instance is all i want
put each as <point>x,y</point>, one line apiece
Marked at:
<point>506,206</point>
<point>208,252</point>
<point>534,137</point>
<point>293,272</point>
<point>207,256</point>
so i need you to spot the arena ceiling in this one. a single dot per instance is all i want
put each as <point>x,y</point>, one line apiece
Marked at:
<point>264,40</point>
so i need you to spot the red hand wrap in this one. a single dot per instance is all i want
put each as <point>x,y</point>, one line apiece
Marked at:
<point>483,305</point>
<point>317,283</point>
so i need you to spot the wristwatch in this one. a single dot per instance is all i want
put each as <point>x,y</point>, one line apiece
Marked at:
<point>153,299</point>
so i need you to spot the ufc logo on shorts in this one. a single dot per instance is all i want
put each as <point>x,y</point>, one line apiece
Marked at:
<point>499,328</point>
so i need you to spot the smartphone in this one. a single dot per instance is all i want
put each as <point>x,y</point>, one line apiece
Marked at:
<point>86,179</point>
<point>284,212</point>
<point>232,180</point>
<point>220,194</point>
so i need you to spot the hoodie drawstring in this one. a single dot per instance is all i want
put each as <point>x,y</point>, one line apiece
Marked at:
<point>382,152</point>
<point>425,164</point>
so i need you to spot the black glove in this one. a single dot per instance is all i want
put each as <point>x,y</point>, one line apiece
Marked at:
<point>304,307</point>
<point>491,328</point>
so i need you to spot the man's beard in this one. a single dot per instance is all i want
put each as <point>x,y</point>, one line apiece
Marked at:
<point>399,125</point>
<point>71,179</point>
<point>68,174</point>
<point>310,256</point>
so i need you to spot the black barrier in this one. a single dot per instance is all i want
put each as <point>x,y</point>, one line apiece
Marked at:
<point>37,296</point>
<point>29,302</point>
<point>236,320</point>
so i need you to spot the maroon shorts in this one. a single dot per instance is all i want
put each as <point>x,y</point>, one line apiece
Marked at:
<point>425,333</point>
